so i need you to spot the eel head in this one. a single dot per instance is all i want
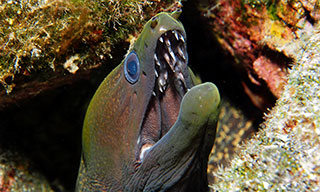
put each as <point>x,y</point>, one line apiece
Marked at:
<point>147,128</point>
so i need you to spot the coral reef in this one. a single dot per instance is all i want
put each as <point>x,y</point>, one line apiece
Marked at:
<point>284,155</point>
<point>262,37</point>
<point>42,42</point>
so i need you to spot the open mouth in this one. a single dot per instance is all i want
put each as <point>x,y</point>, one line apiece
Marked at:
<point>170,60</point>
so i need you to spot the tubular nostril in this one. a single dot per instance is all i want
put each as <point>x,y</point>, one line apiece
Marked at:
<point>154,22</point>
<point>176,13</point>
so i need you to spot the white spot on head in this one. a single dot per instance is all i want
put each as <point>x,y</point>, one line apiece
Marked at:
<point>162,29</point>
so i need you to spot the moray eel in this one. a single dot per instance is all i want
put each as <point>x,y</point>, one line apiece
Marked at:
<point>147,127</point>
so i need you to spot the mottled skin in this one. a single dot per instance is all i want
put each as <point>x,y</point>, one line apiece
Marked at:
<point>178,161</point>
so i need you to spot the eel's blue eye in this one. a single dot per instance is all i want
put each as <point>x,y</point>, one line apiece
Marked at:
<point>132,67</point>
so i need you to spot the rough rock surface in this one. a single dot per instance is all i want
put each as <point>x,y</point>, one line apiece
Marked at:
<point>284,155</point>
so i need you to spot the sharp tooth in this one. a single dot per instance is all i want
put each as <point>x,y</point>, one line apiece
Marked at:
<point>153,93</point>
<point>155,71</point>
<point>182,38</point>
<point>181,53</point>
<point>165,75</point>
<point>162,82</point>
<point>161,39</point>
<point>166,57</point>
<point>156,60</point>
<point>168,43</point>
<point>160,89</point>
<point>171,64</point>
<point>176,35</point>
<point>179,76</point>
<point>180,81</point>
<point>172,55</point>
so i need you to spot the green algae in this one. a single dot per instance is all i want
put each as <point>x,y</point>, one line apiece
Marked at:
<point>272,7</point>
<point>39,36</point>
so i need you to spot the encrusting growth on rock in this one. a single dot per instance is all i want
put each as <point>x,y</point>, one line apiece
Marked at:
<point>284,155</point>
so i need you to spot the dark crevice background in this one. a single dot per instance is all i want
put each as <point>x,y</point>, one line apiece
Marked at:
<point>46,130</point>
<point>211,63</point>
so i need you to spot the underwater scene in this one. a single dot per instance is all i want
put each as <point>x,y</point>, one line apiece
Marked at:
<point>179,95</point>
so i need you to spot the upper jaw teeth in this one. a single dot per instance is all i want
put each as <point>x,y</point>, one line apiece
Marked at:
<point>168,43</point>
<point>181,53</point>
<point>161,39</point>
<point>170,55</point>
<point>176,35</point>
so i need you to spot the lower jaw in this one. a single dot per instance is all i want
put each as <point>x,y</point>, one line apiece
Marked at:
<point>161,116</point>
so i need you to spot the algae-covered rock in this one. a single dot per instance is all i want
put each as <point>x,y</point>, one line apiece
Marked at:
<point>262,37</point>
<point>284,155</point>
<point>46,44</point>
<point>16,174</point>
<point>275,48</point>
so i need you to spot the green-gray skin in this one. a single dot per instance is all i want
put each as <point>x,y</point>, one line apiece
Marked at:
<point>141,136</point>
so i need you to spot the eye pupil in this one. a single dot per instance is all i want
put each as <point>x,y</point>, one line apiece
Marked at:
<point>132,67</point>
